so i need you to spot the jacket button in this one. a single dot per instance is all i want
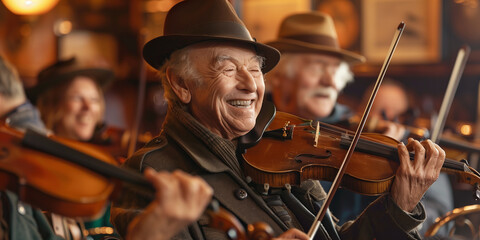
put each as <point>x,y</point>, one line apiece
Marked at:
<point>241,194</point>
<point>21,209</point>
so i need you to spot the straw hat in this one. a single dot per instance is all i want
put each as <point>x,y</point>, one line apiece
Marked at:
<point>65,70</point>
<point>194,21</point>
<point>312,32</point>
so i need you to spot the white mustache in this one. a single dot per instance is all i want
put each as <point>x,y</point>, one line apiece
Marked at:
<point>328,92</point>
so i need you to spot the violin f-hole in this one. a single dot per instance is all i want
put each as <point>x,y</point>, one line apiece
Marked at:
<point>298,159</point>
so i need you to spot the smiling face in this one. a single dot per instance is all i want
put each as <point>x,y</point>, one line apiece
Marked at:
<point>310,85</point>
<point>228,94</point>
<point>82,109</point>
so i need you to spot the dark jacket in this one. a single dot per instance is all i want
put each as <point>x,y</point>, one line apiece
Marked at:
<point>178,148</point>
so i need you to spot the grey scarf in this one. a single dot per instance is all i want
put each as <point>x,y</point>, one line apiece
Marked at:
<point>222,148</point>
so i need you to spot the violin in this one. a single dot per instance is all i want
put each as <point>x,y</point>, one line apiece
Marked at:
<point>294,149</point>
<point>77,179</point>
<point>49,182</point>
<point>225,221</point>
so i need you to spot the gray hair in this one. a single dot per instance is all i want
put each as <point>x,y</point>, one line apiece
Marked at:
<point>287,65</point>
<point>11,86</point>
<point>181,65</point>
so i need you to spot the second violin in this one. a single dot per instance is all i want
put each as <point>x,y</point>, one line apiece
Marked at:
<point>292,151</point>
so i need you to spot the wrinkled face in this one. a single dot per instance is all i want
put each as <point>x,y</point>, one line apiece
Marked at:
<point>228,96</point>
<point>311,92</point>
<point>81,108</point>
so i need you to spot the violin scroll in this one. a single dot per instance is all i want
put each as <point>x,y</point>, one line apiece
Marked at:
<point>259,231</point>
<point>223,220</point>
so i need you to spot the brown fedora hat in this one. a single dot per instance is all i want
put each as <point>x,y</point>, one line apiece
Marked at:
<point>65,70</point>
<point>194,21</point>
<point>311,32</point>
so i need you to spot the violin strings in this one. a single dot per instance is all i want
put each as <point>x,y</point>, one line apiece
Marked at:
<point>373,147</point>
<point>380,149</point>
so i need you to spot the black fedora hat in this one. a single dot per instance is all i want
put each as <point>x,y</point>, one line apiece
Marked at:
<point>194,21</point>
<point>65,70</point>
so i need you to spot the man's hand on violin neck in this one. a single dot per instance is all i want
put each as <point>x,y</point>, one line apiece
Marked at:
<point>413,178</point>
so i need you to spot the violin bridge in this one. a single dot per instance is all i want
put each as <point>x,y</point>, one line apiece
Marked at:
<point>285,127</point>
<point>317,132</point>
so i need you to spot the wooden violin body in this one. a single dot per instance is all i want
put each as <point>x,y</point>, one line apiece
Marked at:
<point>51,183</point>
<point>225,221</point>
<point>287,154</point>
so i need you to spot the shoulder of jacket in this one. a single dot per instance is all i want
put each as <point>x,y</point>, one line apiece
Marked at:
<point>157,144</point>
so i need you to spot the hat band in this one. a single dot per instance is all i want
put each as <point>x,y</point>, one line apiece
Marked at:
<point>226,29</point>
<point>315,39</point>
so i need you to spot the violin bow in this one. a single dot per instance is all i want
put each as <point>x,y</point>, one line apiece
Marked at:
<point>457,71</point>
<point>139,109</point>
<point>336,182</point>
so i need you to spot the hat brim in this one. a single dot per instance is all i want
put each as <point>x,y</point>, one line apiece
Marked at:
<point>103,78</point>
<point>157,50</point>
<point>288,45</point>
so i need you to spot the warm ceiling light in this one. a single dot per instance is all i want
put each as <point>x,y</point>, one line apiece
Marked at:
<point>29,7</point>
<point>466,129</point>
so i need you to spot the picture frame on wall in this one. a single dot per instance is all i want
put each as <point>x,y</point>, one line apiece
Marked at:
<point>91,47</point>
<point>421,39</point>
<point>263,17</point>
<point>346,17</point>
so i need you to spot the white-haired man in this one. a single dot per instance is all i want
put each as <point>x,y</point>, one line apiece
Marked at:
<point>313,71</point>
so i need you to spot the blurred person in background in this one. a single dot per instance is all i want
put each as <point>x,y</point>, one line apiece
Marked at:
<point>391,103</point>
<point>70,97</point>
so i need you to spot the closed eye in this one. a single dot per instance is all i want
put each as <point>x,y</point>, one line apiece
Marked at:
<point>230,72</point>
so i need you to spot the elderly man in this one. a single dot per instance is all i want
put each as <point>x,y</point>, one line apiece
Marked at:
<point>212,72</point>
<point>313,71</point>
